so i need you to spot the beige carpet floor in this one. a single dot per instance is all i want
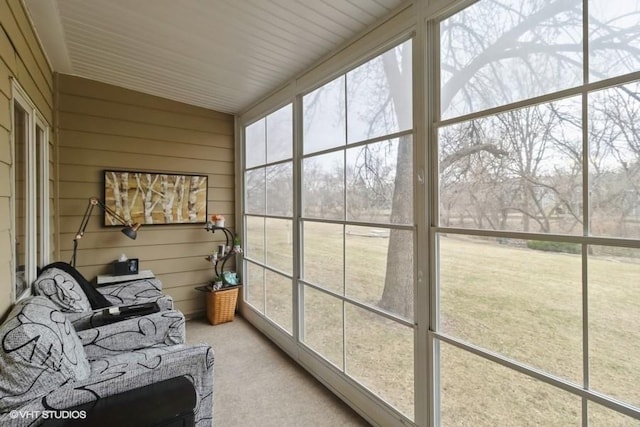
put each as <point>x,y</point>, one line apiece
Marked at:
<point>257,384</point>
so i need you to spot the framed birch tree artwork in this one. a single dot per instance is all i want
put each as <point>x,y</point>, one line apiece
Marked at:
<point>155,198</point>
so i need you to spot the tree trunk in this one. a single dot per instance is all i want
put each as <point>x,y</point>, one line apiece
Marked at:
<point>193,199</point>
<point>180,184</point>
<point>124,195</point>
<point>397,296</point>
<point>168,192</point>
<point>116,194</point>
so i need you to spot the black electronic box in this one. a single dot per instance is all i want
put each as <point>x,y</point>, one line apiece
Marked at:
<point>121,268</point>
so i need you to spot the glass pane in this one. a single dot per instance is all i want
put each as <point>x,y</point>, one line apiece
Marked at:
<point>279,238</point>
<point>254,244</point>
<point>476,392</point>
<point>614,155</point>
<point>255,191</point>
<point>323,117</point>
<point>323,186</point>
<point>520,170</point>
<point>254,145</point>
<point>379,95</point>
<point>380,182</point>
<point>20,174</point>
<point>280,134</point>
<point>506,295</point>
<point>323,325</point>
<point>600,416</point>
<point>323,260</point>
<point>254,283</point>
<point>613,38</point>
<point>280,189</point>
<point>379,268</point>
<point>380,356</point>
<point>279,305</point>
<point>497,52</point>
<point>614,325</point>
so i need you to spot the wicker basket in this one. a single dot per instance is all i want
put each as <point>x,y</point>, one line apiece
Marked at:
<point>221,305</point>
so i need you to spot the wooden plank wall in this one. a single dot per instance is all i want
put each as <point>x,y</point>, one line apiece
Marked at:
<point>21,58</point>
<point>107,127</point>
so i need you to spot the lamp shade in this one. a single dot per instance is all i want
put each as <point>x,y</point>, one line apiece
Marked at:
<point>131,231</point>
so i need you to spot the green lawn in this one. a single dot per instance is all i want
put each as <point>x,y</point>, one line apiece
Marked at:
<point>522,303</point>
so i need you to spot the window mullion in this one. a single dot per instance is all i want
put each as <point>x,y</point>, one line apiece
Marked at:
<point>586,203</point>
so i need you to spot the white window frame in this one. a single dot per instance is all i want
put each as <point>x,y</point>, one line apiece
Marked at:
<point>34,120</point>
<point>435,122</point>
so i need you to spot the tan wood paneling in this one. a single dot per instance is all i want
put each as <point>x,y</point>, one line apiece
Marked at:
<point>189,278</point>
<point>42,101</point>
<point>220,207</point>
<point>41,69</point>
<point>5,113</point>
<point>89,88</point>
<point>152,162</point>
<point>119,111</point>
<point>5,212</point>
<point>221,194</point>
<point>5,245</point>
<point>185,293</point>
<point>151,256</point>
<point>7,53</point>
<point>191,308</point>
<point>104,127</point>
<point>5,179</point>
<point>123,144</point>
<point>27,67</point>
<point>183,265</point>
<point>5,146</point>
<point>21,58</point>
<point>5,82</point>
<point>94,123</point>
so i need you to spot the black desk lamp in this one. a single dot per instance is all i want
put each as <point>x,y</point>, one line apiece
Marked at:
<point>130,230</point>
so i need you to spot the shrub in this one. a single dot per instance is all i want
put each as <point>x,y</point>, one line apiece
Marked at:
<point>570,248</point>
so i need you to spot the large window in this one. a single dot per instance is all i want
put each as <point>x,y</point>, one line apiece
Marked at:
<point>356,227</point>
<point>476,267</point>
<point>269,216</point>
<point>537,227</point>
<point>31,219</point>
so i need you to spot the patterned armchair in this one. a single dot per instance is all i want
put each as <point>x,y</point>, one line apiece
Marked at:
<point>46,365</point>
<point>79,300</point>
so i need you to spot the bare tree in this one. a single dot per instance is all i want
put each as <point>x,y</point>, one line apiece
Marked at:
<point>497,53</point>
<point>146,188</point>
<point>181,194</point>
<point>494,55</point>
<point>195,188</point>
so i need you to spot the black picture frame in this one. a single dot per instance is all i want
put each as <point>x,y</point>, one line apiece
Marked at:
<point>155,198</point>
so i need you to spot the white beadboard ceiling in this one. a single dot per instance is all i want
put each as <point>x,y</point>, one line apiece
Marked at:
<point>219,54</point>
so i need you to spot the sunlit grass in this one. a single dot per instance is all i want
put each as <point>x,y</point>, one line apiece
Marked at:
<point>522,303</point>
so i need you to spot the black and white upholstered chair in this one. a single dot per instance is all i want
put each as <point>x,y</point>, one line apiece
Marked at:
<point>46,365</point>
<point>82,303</point>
